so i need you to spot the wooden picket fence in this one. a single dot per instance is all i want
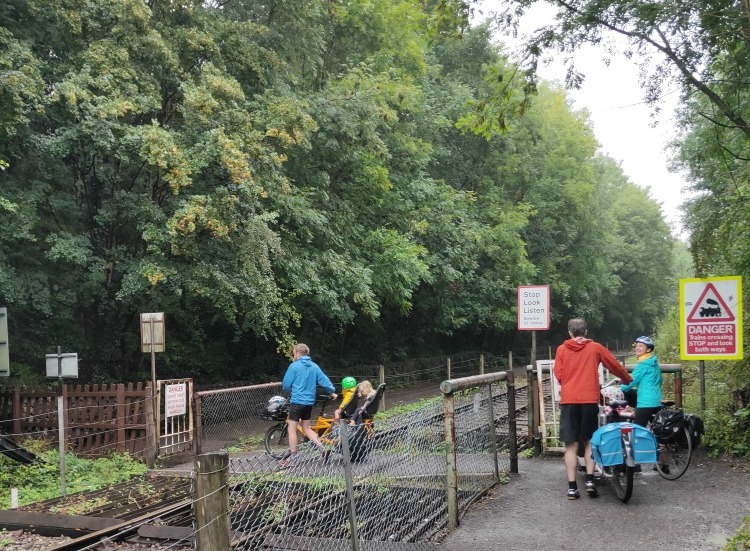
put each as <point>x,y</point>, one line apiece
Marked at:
<point>100,418</point>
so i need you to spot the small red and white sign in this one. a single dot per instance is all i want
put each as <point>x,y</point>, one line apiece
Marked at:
<point>533,307</point>
<point>711,310</point>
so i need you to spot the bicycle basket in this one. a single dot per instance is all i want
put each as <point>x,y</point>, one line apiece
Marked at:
<point>667,424</point>
<point>276,409</point>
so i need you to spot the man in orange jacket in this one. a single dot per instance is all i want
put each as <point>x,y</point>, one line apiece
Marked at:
<point>577,370</point>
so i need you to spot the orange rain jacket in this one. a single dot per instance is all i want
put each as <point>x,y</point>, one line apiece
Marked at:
<point>577,370</point>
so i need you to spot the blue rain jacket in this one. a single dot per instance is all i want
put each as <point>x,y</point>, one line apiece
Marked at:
<point>302,378</point>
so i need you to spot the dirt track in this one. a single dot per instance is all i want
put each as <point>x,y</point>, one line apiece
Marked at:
<point>698,512</point>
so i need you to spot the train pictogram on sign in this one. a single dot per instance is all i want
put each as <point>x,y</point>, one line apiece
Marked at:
<point>710,307</point>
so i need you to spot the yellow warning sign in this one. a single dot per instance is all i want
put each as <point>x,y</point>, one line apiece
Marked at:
<point>711,310</point>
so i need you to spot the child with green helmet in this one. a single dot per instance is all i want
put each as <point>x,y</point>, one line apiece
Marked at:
<point>348,399</point>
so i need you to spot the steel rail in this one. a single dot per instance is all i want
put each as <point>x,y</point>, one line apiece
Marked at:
<point>119,531</point>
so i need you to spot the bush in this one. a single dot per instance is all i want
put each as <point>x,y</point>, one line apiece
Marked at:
<point>41,480</point>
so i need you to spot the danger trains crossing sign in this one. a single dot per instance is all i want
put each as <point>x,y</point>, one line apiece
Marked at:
<point>711,314</point>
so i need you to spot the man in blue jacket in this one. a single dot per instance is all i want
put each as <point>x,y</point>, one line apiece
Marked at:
<point>302,378</point>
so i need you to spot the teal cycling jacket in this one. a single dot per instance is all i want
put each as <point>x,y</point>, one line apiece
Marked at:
<point>647,379</point>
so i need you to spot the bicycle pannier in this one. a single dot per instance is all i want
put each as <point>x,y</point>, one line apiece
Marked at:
<point>606,445</point>
<point>667,424</point>
<point>644,445</point>
<point>696,428</point>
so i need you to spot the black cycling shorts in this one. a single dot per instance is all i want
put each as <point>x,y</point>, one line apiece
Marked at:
<point>298,412</point>
<point>644,415</point>
<point>578,422</point>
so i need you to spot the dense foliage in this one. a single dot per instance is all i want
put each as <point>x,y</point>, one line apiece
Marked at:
<point>362,175</point>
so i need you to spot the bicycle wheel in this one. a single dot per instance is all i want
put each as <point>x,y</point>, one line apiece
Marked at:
<point>674,457</point>
<point>276,441</point>
<point>622,478</point>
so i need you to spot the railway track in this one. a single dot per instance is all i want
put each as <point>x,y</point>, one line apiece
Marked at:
<point>143,528</point>
<point>148,508</point>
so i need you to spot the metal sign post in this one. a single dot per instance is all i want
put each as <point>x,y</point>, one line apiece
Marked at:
<point>153,341</point>
<point>58,366</point>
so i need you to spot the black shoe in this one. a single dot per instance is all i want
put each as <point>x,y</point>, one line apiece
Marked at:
<point>664,469</point>
<point>591,489</point>
<point>573,494</point>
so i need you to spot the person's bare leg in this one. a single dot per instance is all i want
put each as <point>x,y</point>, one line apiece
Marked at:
<point>311,434</point>
<point>590,464</point>
<point>292,430</point>
<point>571,460</point>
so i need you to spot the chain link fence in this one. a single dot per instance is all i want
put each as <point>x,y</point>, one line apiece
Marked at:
<point>231,415</point>
<point>400,485</point>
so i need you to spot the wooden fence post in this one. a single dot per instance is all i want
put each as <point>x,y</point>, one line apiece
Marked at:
<point>212,502</point>
<point>121,418</point>
<point>381,369</point>
<point>17,414</point>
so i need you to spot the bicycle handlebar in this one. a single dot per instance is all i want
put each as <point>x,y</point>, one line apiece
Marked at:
<point>610,383</point>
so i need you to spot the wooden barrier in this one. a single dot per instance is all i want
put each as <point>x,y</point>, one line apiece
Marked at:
<point>100,418</point>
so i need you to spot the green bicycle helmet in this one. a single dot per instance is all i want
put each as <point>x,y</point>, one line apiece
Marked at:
<point>348,382</point>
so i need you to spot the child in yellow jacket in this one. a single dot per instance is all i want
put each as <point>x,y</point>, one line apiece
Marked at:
<point>348,399</point>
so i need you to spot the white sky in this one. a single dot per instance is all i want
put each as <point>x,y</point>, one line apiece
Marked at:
<point>623,123</point>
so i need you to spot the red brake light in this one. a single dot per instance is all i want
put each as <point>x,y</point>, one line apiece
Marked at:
<point>626,430</point>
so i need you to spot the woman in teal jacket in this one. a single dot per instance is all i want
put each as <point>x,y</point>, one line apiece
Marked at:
<point>647,380</point>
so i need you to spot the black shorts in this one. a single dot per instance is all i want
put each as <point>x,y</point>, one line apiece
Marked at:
<point>298,412</point>
<point>578,422</point>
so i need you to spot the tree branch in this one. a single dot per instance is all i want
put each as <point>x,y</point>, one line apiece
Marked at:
<point>666,49</point>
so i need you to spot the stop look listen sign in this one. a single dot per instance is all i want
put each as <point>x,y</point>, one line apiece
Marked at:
<point>533,307</point>
<point>711,315</point>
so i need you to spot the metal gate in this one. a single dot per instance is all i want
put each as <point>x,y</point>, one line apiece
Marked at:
<point>549,407</point>
<point>547,398</point>
<point>175,416</point>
